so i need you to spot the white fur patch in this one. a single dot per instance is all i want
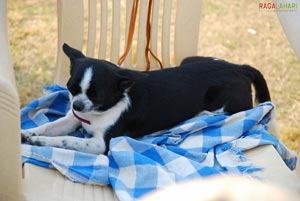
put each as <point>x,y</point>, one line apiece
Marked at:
<point>86,80</point>
<point>101,121</point>
<point>218,111</point>
<point>221,110</point>
<point>84,85</point>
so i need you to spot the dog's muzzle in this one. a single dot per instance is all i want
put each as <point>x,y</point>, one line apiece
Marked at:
<point>78,105</point>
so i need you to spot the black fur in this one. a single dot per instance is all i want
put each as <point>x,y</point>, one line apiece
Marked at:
<point>163,98</point>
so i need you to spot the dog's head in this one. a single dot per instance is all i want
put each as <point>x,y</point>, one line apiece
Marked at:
<point>97,85</point>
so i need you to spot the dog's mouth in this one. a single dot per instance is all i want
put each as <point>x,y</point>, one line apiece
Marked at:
<point>80,106</point>
<point>101,108</point>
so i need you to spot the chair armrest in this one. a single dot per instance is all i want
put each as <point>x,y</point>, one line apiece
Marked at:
<point>10,160</point>
<point>274,168</point>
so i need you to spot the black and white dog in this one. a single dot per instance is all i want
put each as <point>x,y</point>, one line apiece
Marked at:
<point>109,101</point>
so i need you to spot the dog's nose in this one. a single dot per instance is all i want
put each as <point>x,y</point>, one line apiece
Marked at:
<point>78,106</point>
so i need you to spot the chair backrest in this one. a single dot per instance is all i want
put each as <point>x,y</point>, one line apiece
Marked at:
<point>100,29</point>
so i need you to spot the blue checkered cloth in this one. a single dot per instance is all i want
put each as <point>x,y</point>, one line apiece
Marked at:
<point>205,145</point>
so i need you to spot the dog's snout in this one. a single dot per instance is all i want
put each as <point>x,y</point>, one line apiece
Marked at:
<point>78,106</point>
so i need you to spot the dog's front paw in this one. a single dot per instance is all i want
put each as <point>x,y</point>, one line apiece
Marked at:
<point>37,140</point>
<point>26,134</point>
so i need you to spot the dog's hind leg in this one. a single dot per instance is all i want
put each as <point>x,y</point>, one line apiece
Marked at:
<point>62,126</point>
<point>87,145</point>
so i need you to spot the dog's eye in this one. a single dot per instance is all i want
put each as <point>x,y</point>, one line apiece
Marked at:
<point>92,94</point>
<point>74,90</point>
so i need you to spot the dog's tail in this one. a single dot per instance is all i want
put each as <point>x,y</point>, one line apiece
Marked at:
<point>260,85</point>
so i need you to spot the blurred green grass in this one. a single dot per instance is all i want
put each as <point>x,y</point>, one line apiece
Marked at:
<point>32,33</point>
<point>224,33</point>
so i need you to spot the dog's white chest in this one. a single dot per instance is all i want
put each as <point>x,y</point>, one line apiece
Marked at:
<point>98,123</point>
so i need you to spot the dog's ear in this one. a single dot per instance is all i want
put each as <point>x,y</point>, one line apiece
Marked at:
<point>72,53</point>
<point>127,78</point>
